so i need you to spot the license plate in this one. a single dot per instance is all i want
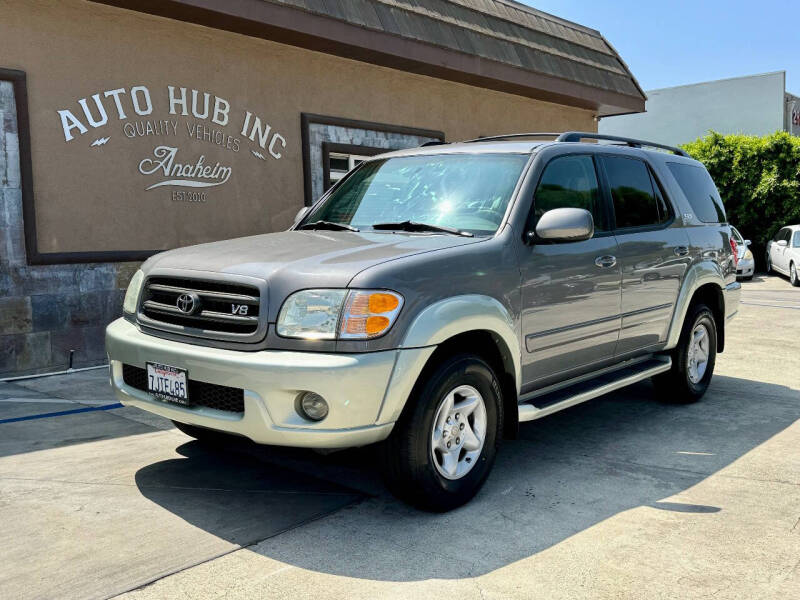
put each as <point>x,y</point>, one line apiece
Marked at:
<point>168,383</point>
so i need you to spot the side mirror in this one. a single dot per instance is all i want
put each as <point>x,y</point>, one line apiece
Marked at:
<point>782,243</point>
<point>300,214</point>
<point>564,225</point>
<point>747,242</point>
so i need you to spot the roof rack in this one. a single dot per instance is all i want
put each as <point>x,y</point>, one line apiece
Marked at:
<point>490,138</point>
<point>577,136</point>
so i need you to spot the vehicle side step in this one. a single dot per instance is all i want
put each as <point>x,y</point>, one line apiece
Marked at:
<point>548,404</point>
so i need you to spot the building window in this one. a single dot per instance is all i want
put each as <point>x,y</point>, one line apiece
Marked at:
<point>340,163</point>
<point>339,159</point>
<point>332,146</point>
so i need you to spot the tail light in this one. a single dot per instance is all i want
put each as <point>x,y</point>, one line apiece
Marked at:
<point>735,250</point>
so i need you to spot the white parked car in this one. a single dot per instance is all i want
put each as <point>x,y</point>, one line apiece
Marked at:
<point>746,264</point>
<point>783,253</point>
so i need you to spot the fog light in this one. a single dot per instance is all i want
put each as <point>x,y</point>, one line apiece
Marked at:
<point>312,406</point>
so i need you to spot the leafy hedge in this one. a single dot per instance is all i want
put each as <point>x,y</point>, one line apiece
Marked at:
<point>758,179</point>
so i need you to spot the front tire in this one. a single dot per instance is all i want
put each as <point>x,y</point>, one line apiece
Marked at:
<point>793,277</point>
<point>442,449</point>
<point>693,359</point>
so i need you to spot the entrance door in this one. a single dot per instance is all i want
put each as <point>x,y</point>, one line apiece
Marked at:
<point>570,291</point>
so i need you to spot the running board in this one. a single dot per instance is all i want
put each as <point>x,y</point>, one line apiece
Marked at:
<point>587,390</point>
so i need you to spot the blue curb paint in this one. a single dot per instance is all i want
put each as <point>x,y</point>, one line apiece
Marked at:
<point>62,413</point>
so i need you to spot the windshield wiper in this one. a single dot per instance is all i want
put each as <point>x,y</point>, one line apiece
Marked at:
<point>328,225</point>
<point>415,226</point>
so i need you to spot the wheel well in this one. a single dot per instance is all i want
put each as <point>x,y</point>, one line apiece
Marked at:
<point>711,295</point>
<point>491,348</point>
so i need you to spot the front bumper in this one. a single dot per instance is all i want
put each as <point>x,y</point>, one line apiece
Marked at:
<point>745,268</point>
<point>365,391</point>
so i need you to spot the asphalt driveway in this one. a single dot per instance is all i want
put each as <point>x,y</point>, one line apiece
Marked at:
<point>622,497</point>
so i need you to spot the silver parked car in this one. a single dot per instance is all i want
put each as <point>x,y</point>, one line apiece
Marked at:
<point>783,253</point>
<point>746,264</point>
<point>436,297</point>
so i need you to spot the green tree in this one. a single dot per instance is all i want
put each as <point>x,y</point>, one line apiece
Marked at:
<point>758,179</point>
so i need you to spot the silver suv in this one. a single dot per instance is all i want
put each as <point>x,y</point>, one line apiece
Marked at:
<point>437,297</point>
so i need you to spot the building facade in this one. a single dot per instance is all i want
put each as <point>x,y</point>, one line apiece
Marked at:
<point>752,105</point>
<point>133,127</point>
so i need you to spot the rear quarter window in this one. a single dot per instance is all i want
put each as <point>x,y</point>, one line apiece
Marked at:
<point>699,189</point>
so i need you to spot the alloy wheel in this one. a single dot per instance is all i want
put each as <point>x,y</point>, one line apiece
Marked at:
<point>698,352</point>
<point>459,431</point>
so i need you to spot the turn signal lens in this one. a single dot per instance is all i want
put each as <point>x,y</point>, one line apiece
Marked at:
<point>382,303</point>
<point>376,325</point>
<point>369,314</point>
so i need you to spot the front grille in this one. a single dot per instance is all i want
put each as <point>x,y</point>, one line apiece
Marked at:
<point>216,307</point>
<point>210,395</point>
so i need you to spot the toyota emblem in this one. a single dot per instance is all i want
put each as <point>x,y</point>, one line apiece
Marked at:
<point>187,303</point>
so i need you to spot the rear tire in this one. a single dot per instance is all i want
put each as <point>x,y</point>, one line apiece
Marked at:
<point>209,437</point>
<point>693,359</point>
<point>442,448</point>
<point>793,277</point>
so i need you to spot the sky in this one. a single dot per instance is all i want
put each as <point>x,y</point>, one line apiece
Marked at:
<point>678,42</point>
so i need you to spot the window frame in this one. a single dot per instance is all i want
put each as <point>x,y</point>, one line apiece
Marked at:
<point>530,225</point>
<point>658,189</point>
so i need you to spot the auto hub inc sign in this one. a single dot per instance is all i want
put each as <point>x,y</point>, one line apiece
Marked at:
<point>176,119</point>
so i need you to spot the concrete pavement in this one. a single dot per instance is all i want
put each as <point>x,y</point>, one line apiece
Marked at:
<point>622,497</point>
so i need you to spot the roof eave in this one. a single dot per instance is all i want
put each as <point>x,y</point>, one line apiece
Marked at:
<point>295,27</point>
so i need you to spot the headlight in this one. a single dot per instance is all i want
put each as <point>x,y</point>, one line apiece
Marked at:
<point>132,294</point>
<point>342,314</point>
<point>311,314</point>
<point>748,255</point>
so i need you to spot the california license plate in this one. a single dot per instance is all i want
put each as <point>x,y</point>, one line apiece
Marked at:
<point>168,383</point>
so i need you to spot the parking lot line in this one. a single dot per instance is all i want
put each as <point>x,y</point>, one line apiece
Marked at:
<point>61,413</point>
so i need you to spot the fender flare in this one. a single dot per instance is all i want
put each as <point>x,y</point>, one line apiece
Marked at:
<point>698,275</point>
<point>460,314</point>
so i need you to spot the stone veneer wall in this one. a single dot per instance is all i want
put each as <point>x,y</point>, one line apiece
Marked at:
<point>46,311</point>
<point>319,133</point>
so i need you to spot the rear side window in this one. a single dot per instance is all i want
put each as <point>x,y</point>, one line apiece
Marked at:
<point>637,201</point>
<point>699,189</point>
<point>570,182</point>
<point>796,241</point>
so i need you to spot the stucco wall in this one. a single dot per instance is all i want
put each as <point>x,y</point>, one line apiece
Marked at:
<point>89,190</point>
<point>750,105</point>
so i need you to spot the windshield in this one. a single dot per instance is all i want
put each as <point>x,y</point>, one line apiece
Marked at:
<point>468,192</point>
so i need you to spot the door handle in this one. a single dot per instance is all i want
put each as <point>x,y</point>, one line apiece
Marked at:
<point>605,262</point>
<point>681,251</point>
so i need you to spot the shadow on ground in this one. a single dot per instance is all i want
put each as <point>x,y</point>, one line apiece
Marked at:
<point>565,474</point>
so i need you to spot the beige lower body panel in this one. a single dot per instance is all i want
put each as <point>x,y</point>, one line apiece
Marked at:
<point>356,387</point>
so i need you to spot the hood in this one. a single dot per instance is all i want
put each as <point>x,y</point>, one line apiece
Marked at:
<point>294,260</point>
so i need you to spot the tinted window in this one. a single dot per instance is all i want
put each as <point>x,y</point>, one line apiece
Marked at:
<point>737,236</point>
<point>570,182</point>
<point>787,233</point>
<point>699,189</point>
<point>637,202</point>
<point>465,191</point>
